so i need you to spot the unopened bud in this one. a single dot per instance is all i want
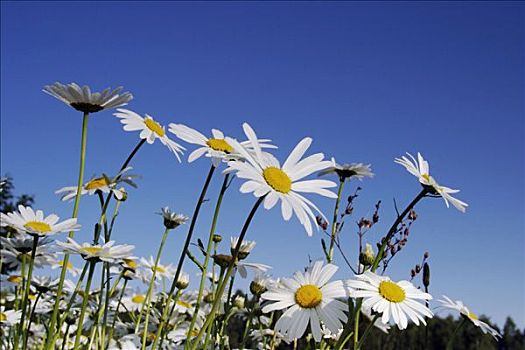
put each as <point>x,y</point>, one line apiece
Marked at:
<point>412,273</point>
<point>412,215</point>
<point>257,288</point>
<point>217,238</point>
<point>222,260</point>
<point>426,275</point>
<point>120,195</point>
<point>426,255</point>
<point>238,301</point>
<point>183,281</point>
<point>418,268</point>
<point>367,257</point>
<point>208,298</point>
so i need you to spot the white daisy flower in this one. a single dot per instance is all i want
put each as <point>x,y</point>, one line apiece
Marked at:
<point>132,302</point>
<point>16,249</point>
<point>310,298</point>
<point>26,220</point>
<point>171,219</point>
<point>345,171</point>
<point>103,184</point>
<point>245,248</point>
<point>257,268</point>
<point>105,252</point>
<point>267,177</point>
<point>9,317</point>
<point>74,271</point>
<point>82,99</point>
<point>420,169</point>
<point>397,301</point>
<point>162,271</point>
<point>466,313</point>
<point>150,130</point>
<point>217,147</point>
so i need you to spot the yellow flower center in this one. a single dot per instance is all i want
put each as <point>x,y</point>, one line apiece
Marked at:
<point>92,250</point>
<point>220,145</point>
<point>38,226</point>
<point>194,332</point>
<point>69,265</point>
<point>154,126</point>
<point>472,316</point>
<point>15,279</point>
<point>158,269</point>
<point>138,299</point>
<point>426,177</point>
<point>3,317</point>
<point>96,183</point>
<point>308,296</point>
<point>277,179</point>
<point>391,291</point>
<point>184,304</point>
<point>132,264</point>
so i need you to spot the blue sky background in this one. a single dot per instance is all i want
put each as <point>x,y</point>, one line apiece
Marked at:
<point>368,81</point>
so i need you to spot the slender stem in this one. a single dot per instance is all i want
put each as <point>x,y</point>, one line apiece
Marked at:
<point>329,257</point>
<point>73,296</point>
<point>222,286</point>
<point>80,183</point>
<point>367,330</point>
<point>132,154</point>
<point>22,329</point>
<point>356,324</point>
<point>30,321</point>
<point>450,343</point>
<point>147,300</point>
<point>183,253</point>
<point>248,326</point>
<point>85,299</point>
<point>110,335</point>
<point>208,252</point>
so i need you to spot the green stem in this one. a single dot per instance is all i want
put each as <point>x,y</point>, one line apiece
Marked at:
<point>450,343</point>
<point>356,324</point>
<point>30,322</point>
<point>367,330</point>
<point>73,296</point>
<point>208,252</point>
<point>85,300</point>
<point>329,258</point>
<point>183,253</point>
<point>222,286</point>
<point>51,331</point>
<point>21,329</point>
<point>147,300</point>
<point>111,330</point>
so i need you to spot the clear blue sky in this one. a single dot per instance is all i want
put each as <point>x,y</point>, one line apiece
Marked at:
<point>368,81</point>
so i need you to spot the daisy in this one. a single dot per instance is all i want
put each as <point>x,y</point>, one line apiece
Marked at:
<point>245,248</point>
<point>58,264</point>
<point>26,220</point>
<point>467,314</point>
<point>18,248</point>
<point>171,219</point>
<point>103,184</point>
<point>150,130</point>
<point>9,317</point>
<point>217,147</point>
<point>105,252</point>
<point>266,177</point>
<point>307,298</point>
<point>397,301</point>
<point>162,271</point>
<point>420,169</point>
<point>82,99</point>
<point>345,171</point>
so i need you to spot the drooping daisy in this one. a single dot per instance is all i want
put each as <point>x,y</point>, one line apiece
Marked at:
<point>308,297</point>
<point>150,130</point>
<point>217,147</point>
<point>17,249</point>
<point>420,169</point>
<point>171,219</point>
<point>82,99</point>
<point>26,220</point>
<point>466,313</point>
<point>103,184</point>
<point>267,177</point>
<point>106,252</point>
<point>245,248</point>
<point>346,171</point>
<point>397,301</point>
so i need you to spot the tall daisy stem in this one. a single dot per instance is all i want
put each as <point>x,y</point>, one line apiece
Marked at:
<point>220,290</point>
<point>450,343</point>
<point>367,331</point>
<point>183,254</point>
<point>85,299</point>
<point>83,142</point>
<point>22,330</point>
<point>147,300</point>
<point>208,252</point>
<point>335,226</point>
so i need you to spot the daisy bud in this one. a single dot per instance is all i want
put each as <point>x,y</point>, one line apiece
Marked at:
<point>222,260</point>
<point>412,215</point>
<point>426,275</point>
<point>367,257</point>
<point>426,255</point>
<point>183,281</point>
<point>244,249</point>
<point>208,298</point>
<point>412,273</point>
<point>122,194</point>
<point>238,301</point>
<point>321,222</point>
<point>217,238</point>
<point>418,268</point>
